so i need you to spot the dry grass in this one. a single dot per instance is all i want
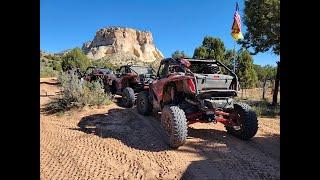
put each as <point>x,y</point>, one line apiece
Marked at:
<point>263,108</point>
<point>256,94</point>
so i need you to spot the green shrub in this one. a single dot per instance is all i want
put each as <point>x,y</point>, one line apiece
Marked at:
<point>47,71</point>
<point>50,67</point>
<point>76,93</point>
<point>93,94</point>
<point>104,64</point>
<point>264,108</point>
<point>75,59</point>
<point>56,65</point>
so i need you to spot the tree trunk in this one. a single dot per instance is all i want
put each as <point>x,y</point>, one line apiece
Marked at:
<point>276,85</point>
<point>245,93</point>
<point>242,93</point>
<point>264,89</point>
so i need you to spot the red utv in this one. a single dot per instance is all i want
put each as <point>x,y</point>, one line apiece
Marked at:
<point>128,80</point>
<point>93,73</point>
<point>193,90</point>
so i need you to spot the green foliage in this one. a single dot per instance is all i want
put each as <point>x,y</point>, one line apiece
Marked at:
<point>77,93</point>
<point>201,53</point>
<point>266,72</point>
<point>211,48</point>
<point>245,71</point>
<point>264,108</point>
<point>56,65</point>
<point>262,19</point>
<point>47,72</point>
<point>52,57</point>
<point>75,59</point>
<point>94,94</point>
<point>179,54</point>
<point>229,58</point>
<point>50,65</point>
<point>270,72</point>
<point>260,72</point>
<point>104,64</point>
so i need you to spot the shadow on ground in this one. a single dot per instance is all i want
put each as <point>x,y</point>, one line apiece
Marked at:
<point>49,83</point>
<point>118,100</point>
<point>47,95</point>
<point>55,106</point>
<point>133,130</point>
<point>225,157</point>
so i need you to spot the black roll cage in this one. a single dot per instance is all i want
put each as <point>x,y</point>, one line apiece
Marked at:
<point>129,67</point>
<point>172,61</point>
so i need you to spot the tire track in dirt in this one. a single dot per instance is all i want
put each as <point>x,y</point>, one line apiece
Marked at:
<point>68,139</point>
<point>236,160</point>
<point>249,165</point>
<point>164,161</point>
<point>153,136</point>
<point>118,143</point>
<point>79,144</point>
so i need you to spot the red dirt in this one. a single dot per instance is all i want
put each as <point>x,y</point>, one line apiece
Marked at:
<point>118,143</point>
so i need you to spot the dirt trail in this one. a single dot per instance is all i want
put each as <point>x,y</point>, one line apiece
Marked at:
<point>118,143</point>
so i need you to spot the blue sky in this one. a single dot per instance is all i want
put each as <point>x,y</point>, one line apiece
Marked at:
<point>175,24</point>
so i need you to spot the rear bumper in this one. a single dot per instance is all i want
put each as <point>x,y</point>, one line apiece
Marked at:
<point>216,93</point>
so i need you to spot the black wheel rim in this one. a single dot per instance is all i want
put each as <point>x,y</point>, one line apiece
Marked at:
<point>236,119</point>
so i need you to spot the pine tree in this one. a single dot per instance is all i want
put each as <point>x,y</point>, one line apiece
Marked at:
<point>265,73</point>
<point>262,19</point>
<point>245,71</point>
<point>211,48</point>
<point>179,54</point>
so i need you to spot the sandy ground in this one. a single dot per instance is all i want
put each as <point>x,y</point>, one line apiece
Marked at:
<point>118,143</point>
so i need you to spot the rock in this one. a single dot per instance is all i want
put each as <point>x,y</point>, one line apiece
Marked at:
<point>108,41</point>
<point>122,58</point>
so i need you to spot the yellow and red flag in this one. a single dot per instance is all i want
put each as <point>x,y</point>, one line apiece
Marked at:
<point>236,26</point>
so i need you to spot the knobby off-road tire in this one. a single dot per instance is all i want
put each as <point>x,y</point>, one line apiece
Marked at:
<point>144,105</point>
<point>248,122</point>
<point>106,88</point>
<point>128,98</point>
<point>174,123</point>
<point>113,87</point>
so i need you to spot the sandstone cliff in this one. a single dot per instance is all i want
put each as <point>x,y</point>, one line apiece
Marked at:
<point>111,40</point>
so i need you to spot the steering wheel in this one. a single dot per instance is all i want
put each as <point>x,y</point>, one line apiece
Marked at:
<point>148,77</point>
<point>148,80</point>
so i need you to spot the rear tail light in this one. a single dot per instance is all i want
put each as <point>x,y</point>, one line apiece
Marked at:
<point>191,85</point>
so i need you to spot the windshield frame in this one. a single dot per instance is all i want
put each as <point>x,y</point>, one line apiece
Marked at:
<point>147,69</point>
